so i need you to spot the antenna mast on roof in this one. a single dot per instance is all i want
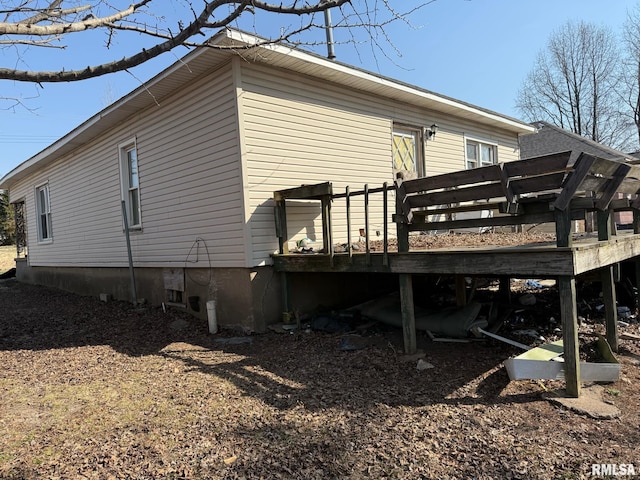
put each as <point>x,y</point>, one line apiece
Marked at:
<point>329,28</point>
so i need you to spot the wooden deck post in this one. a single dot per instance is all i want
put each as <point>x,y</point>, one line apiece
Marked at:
<point>504,290</point>
<point>408,313</point>
<point>367,233</point>
<point>608,284</point>
<point>348,206</point>
<point>568,309</point>
<point>286,293</point>
<point>610,306</point>
<point>563,228</point>
<point>403,237</point>
<point>280,213</point>
<point>569,315</point>
<point>327,240</point>
<point>461,290</point>
<point>385,223</point>
<point>401,227</point>
<point>406,290</point>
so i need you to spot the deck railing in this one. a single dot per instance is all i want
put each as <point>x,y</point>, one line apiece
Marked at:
<point>536,190</point>
<point>324,193</point>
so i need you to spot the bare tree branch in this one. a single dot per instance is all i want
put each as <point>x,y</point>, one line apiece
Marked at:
<point>17,103</point>
<point>631,67</point>
<point>574,85</point>
<point>30,29</point>
<point>41,16</point>
<point>44,42</point>
<point>29,26</point>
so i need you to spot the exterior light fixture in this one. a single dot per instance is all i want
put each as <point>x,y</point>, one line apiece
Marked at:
<point>431,131</point>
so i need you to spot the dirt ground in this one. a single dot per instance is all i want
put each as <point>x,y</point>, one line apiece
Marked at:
<point>103,390</point>
<point>7,258</point>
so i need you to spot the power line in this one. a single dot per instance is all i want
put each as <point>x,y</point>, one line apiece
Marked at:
<point>21,139</point>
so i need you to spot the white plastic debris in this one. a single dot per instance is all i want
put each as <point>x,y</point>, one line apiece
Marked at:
<point>422,365</point>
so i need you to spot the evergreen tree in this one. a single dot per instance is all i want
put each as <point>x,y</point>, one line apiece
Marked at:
<point>7,224</point>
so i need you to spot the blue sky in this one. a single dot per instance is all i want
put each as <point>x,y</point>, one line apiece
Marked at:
<point>478,51</point>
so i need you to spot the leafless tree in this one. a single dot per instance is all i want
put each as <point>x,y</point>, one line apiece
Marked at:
<point>37,24</point>
<point>574,84</point>
<point>631,66</point>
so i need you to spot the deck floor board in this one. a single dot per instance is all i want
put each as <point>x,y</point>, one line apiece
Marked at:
<point>586,254</point>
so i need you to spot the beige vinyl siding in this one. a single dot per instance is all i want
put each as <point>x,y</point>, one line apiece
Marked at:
<point>301,131</point>
<point>198,180</point>
<point>298,131</point>
<point>446,153</point>
<point>190,187</point>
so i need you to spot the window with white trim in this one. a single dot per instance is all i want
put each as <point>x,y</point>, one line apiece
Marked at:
<point>130,183</point>
<point>43,209</point>
<point>480,154</point>
<point>407,150</point>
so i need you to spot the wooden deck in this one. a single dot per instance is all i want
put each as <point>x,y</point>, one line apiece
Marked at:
<point>524,261</point>
<point>529,191</point>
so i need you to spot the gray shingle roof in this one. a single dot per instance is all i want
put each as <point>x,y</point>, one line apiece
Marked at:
<point>552,139</point>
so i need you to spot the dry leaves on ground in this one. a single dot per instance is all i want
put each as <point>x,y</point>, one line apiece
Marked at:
<point>102,390</point>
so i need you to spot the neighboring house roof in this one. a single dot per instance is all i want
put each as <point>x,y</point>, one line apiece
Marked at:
<point>203,60</point>
<point>552,139</point>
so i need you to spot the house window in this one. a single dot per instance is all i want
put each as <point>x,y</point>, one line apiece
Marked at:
<point>130,183</point>
<point>43,209</point>
<point>407,151</point>
<point>480,154</point>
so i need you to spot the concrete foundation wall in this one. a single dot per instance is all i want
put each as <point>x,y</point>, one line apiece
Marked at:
<point>245,299</point>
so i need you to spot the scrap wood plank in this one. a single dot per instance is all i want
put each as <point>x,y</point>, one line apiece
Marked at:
<point>605,177</point>
<point>462,194</point>
<point>575,178</point>
<point>480,188</point>
<point>534,175</point>
<point>611,186</point>
<point>538,165</point>
<point>631,183</point>
<point>629,336</point>
<point>467,207</point>
<point>489,173</point>
<point>538,183</point>
<point>317,192</point>
<point>502,339</point>
<point>600,173</point>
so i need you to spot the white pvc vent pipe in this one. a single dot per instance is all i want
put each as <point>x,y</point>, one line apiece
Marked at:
<point>211,316</point>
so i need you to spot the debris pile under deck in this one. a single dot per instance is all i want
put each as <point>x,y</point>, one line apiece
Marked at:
<point>531,191</point>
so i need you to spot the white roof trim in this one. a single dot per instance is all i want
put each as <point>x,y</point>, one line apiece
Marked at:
<point>87,125</point>
<point>249,39</point>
